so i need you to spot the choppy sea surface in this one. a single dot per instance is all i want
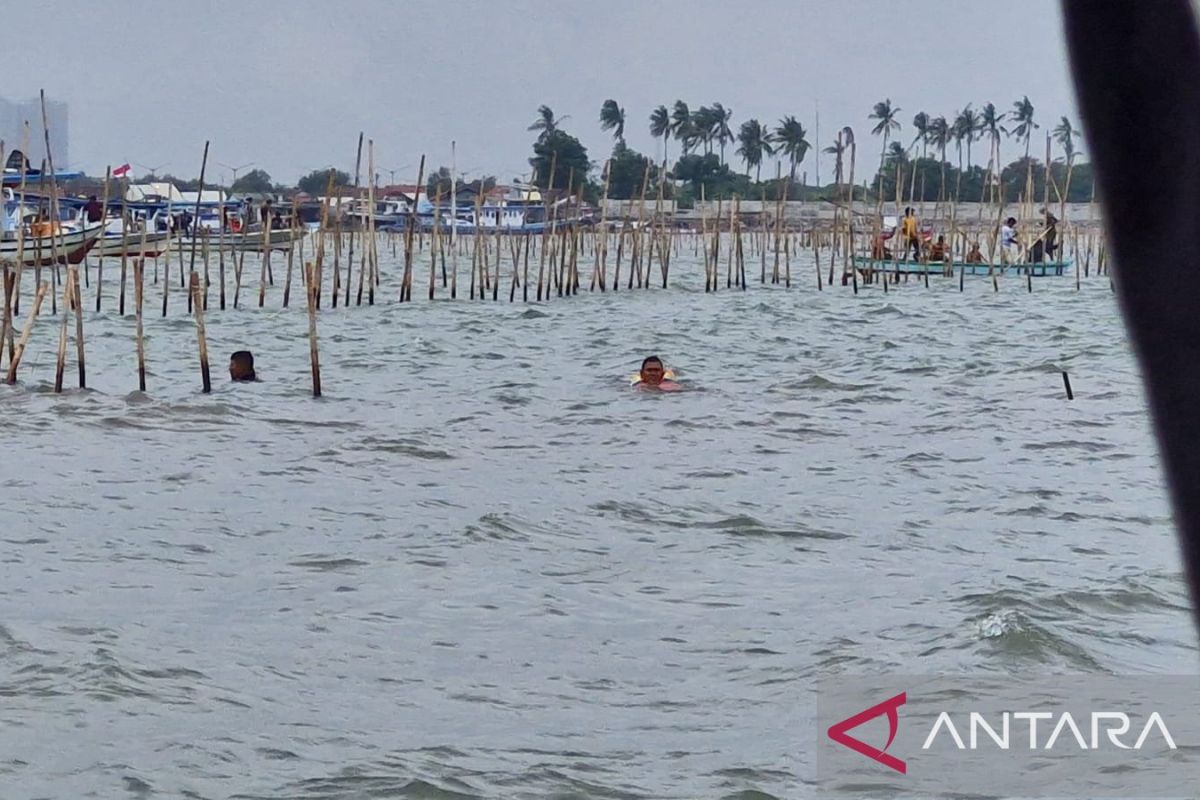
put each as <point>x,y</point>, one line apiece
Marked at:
<point>481,566</point>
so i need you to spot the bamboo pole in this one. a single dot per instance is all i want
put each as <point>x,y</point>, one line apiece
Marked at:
<point>139,276</point>
<point>104,224</point>
<point>77,297</point>
<point>61,360</point>
<point>314,358</point>
<point>370,214</point>
<point>201,337</point>
<point>369,232</point>
<point>15,360</point>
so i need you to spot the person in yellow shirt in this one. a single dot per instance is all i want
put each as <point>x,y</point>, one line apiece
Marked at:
<point>910,235</point>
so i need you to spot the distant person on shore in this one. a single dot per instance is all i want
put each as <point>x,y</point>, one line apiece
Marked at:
<point>910,235</point>
<point>264,213</point>
<point>241,366</point>
<point>1010,244</point>
<point>653,377</point>
<point>93,210</point>
<point>938,250</point>
<point>974,256</point>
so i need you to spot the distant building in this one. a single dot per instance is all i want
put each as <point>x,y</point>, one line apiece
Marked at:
<point>13,115</point>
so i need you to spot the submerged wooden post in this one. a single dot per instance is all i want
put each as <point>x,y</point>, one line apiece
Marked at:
<point>61,361</point>
<point>201,337</point>
<point>139,274</point>
<point>15,361</point>
<point>313,290</point>
<point>73,276</point>
<point>103,228</point>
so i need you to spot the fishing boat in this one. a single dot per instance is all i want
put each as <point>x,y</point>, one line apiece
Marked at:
<point>19,238</point>
<point>70,244</point>
<point>1036,269</point>
<point>251,241</point>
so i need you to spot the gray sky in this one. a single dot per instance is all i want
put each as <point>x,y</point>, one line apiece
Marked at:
<point>289,85</point>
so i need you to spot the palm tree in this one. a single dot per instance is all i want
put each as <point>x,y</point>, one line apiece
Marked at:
<point>721,118</point>
<point>1023,116</point>
<point>940,136</point>
<point>921,123</point>
<point>836,150</point>
<point>886,115</point>
<point>1064,134</point>
<point>792,143</point>
<point>681,125</point>
<point>989,125</point>
<point>660,125</point>
<point>966,129</point>
<point>704,127</point>
<point>755,141</point>
<point>546,122</point>
<point>612,118</point>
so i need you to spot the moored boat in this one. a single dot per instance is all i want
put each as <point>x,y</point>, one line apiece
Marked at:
<point>251,242</point>
<point>1037,269</point>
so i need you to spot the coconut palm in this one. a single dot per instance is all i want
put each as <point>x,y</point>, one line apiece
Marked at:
<point>836,150</point>
<point>940,136</point>
<point>546,123</point>
<point>703,124</point>
<point>722,132</point>
<point>989,126</point>
<point>885,114</point>
<point>965,130</point>
<point>660,125</point>
<point>1064,134</point>
<point>754,142</point>
<point>681,125</point>
<point>793,143</point>
<point>612,118</point>
<point>1023,116</point>
<point>921,124</point>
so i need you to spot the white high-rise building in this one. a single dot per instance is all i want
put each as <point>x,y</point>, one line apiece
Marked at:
<point>13,116</point>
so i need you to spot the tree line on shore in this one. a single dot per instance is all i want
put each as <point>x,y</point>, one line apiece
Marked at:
<point>707,134</point>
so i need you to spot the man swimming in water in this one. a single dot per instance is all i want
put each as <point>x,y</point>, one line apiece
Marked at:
<point>653,376</point>
<point>241,366</point>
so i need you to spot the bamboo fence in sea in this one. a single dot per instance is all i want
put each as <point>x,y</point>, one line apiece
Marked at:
<point>617,255</point>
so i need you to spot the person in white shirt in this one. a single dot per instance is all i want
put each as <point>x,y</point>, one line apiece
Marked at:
<point>1010,246</point>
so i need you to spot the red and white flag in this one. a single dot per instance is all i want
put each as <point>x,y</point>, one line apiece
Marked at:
<point>120,171</point>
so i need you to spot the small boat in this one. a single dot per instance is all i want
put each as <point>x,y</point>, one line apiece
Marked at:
<point>70,244</point>
<point>155,244</point>
<point>1037,269</point>
<point>251,242</point>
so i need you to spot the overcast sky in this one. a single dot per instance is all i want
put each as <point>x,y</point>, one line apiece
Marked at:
<point>288,86</point>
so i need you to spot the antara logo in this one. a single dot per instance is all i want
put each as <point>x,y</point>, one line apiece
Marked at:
<point>1006,734</point>
<point>1114,724</point>
<point>838,733</point>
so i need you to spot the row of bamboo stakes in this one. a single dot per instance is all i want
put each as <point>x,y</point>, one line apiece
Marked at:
<point>561,252</point>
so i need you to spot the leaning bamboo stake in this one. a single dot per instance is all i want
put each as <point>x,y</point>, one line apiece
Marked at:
<point>15,360</point>
<point>370,213</point>
<point>201,337</point>
<point>61,361</point>
<point>21,223</point>
<point>104,227</point>
<point>368,233</point>
<point>6,329</point>
<point>407,279</point>
<point>195,231</point>
<point>139,275</point>
<point>314,358</point>
<point>73,276</point>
